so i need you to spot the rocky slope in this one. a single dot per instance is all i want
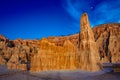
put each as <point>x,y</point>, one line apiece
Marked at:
<point>17,53</point>
<point>56,53</point>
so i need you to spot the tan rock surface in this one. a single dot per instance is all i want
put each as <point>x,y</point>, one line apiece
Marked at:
<point>108,39</point>
<point>2,61</point>
<point>52,57</point>
<point>88,51</point>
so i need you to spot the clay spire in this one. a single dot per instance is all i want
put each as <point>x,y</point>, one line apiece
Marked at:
<point>88,52</point>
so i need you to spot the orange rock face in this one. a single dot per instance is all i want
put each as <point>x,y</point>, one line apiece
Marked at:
<point>16,54</point>
<point>53,57</point>
<point>108,40</point>
<point>2,61</point>
<point>88,51</point>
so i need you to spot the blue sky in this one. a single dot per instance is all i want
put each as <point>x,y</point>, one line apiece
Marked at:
<point>31,19</point>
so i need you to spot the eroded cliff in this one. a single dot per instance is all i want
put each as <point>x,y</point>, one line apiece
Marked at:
<point>64,52</point>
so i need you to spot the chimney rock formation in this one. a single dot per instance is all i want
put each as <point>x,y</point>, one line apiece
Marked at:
<point>88,52</point>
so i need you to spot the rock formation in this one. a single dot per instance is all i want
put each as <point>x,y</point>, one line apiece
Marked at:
<point>88,51</point>
<point>53,57</point>
<point>16,54</point>
<point>108,39</point>
<point>63,52</point>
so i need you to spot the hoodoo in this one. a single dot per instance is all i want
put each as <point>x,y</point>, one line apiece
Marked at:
<point>88,51</point>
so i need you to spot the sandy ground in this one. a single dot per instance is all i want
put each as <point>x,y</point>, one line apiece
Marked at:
<point>6,74</point>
